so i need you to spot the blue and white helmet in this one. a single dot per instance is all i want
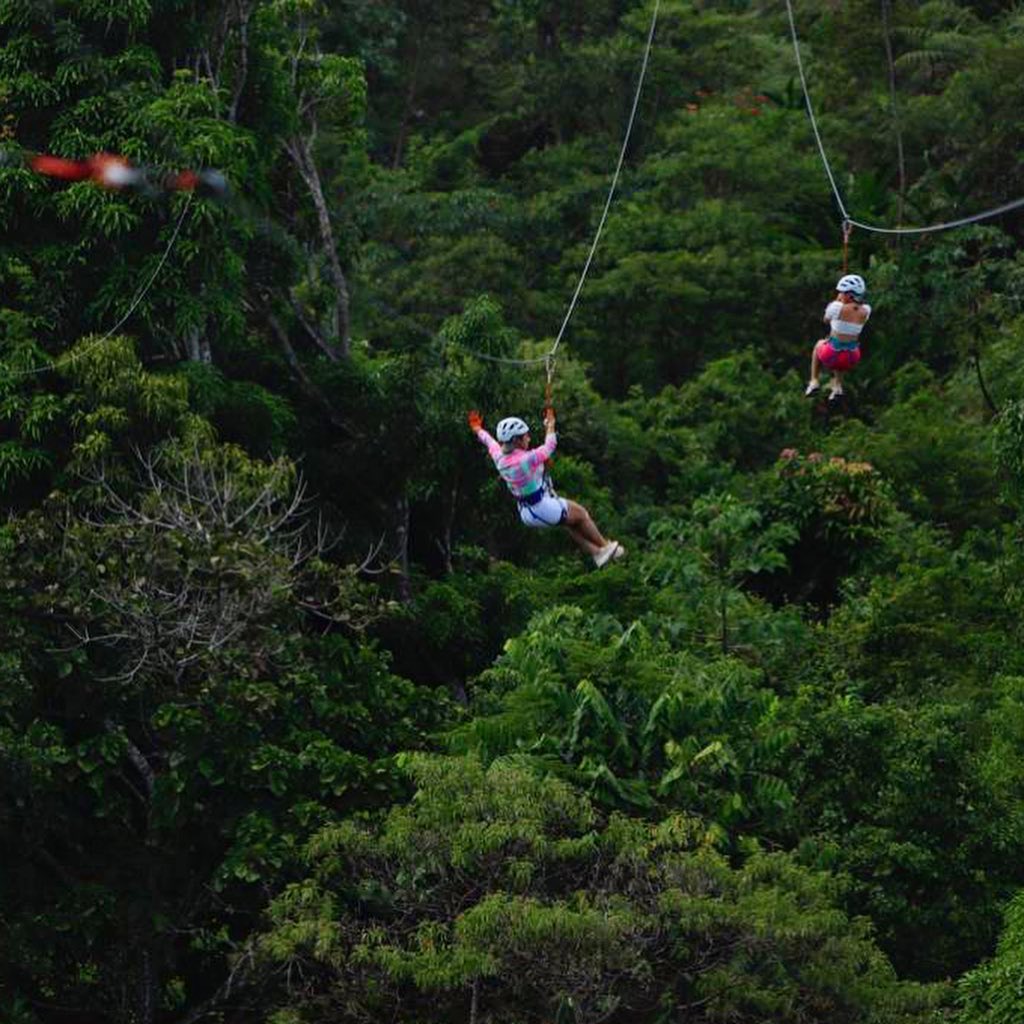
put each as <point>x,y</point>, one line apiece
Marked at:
<point>852,283</point>
<point>510,428</point>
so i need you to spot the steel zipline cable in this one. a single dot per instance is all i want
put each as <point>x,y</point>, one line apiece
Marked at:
<point>615,180</point>
<point>548,359</point>
<point>115,172</point>
<point>137,299</point>
<point>847,219</point>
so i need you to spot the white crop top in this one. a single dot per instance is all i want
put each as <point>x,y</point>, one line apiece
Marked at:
<point>844,328</point>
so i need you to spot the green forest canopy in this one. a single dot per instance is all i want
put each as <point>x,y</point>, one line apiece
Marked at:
<point>298,725</point>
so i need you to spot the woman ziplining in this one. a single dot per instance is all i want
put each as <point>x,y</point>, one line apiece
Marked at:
<point>839,353</point>
<point>847,325</point>
<point>524,471</point>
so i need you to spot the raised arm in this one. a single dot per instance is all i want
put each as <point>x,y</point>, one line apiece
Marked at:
<point>547,449</point>
<point>476,424</point>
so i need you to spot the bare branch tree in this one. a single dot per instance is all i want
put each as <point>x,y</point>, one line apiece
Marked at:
<point>210,556</point>
<point>225,57</point>
<point>300,150</point>
<point>244,9</point>
<point>310,99</point>
<point>304,381</point>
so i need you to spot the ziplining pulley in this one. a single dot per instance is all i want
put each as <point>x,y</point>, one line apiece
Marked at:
<point>549,366</point>
<point>847,231</point>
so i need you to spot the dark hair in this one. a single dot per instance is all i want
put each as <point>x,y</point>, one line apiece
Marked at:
<point>510,446</point>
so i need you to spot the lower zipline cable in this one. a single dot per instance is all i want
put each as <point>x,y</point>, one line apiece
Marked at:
<point>139,296</point>
<point>548,359</point>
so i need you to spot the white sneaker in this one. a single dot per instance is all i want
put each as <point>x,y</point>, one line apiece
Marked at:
<point>836,391</point>
<point>812,388</point>
<point>620,552</point>
<point>606,553</point>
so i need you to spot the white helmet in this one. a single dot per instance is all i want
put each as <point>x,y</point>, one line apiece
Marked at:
<point>510,428</point>
<point>853,283</point>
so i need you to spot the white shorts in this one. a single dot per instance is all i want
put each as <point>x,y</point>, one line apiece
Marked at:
<point>549,511</point>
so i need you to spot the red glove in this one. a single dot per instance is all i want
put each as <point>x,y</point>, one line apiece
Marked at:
<point>475,420</point>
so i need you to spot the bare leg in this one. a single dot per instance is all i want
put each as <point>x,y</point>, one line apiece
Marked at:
<point>815,363</point>
<point>837,382</point>
<point>582,528</point>
<point>584,545</point>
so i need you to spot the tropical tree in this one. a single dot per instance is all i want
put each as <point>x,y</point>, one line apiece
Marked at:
<point>502,896</point>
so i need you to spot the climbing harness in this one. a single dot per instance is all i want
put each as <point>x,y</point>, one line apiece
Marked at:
<point>849,221</point>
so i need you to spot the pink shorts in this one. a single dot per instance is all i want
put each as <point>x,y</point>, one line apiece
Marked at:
<point>832,358</point>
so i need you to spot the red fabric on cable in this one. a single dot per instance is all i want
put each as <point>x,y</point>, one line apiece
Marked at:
<point>56,167</point>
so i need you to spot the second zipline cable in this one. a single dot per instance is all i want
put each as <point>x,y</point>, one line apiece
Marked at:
<point>847,219</point>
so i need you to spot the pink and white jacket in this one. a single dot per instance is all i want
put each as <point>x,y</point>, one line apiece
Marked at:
<point>521,469</point>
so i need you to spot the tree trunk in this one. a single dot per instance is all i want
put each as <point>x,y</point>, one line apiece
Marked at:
<point>301,152</point>
<point>897,128</point>
<point>244,14</point>
<point>403,514</point>
<point>445,541</point>
<point>407,113</point>
<point>197,346</point>
<point>474,1002</point>
<point>147,990</point>
<point>302,378</point>
<point>723,610</point>
<point>976,356</point>
<point>315,335</point>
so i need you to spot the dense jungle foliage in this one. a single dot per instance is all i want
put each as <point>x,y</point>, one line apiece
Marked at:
<point>298,725</point>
